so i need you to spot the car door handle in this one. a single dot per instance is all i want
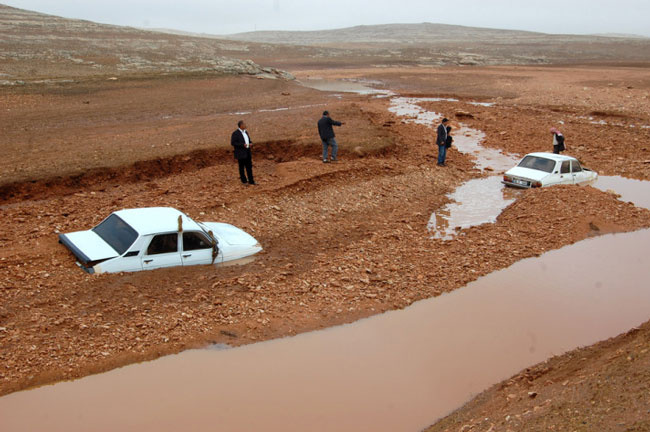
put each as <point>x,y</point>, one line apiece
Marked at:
<point>147,261</point>
<point>187,255</point>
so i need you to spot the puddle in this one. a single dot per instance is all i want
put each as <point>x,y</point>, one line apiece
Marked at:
<point>468,141</point>
<point>477,201</point>
<point>399,371</point>
<point>345,86</point>
<point>635,191</point>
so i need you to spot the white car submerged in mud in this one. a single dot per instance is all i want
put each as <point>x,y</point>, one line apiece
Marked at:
<point>547,169</point>
<point>155,237</point>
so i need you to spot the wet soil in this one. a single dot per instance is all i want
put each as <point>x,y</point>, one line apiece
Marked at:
<point>341,241</point>
<point>392,372</point>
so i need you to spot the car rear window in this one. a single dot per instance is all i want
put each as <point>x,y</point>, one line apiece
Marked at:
<point>117,233</point>
<point>537,163</point>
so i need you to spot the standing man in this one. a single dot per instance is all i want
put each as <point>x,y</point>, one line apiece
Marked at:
<point>242,144</point>
<point>558,141</point>
<point>326,132</point>
<point>441,140</point>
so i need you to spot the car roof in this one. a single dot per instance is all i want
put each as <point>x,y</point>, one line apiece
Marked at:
<point>553,156</point>
<point>152,220</point>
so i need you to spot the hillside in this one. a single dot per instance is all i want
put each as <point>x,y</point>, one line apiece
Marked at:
<point>428,43</point>
<point>38,46</point>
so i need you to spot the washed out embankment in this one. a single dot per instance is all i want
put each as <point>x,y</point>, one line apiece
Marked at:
<point>149,170</point>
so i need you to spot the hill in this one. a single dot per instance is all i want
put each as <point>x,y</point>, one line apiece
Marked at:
<point>38,46</point>
<point>441,44</point>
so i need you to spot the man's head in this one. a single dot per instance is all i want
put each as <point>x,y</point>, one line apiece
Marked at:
<point>326,113</point>
<point>445,120</point>
<point>241,125</point>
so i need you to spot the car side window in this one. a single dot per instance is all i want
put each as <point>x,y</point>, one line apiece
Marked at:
<point>575,166</point>
<point>195,241</point>
<point>565,167</point>
<point>163,243</point>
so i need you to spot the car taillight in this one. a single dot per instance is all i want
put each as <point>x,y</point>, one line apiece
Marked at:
<point>536,184</point>
<point>507,178</point>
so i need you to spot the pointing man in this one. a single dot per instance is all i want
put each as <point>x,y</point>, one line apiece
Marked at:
<point>326,132</point>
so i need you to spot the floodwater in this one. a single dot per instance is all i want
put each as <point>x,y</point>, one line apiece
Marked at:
<point>399,371</point>
<point>360,87</point>
<point>634,191</point>
<point>476,201</point>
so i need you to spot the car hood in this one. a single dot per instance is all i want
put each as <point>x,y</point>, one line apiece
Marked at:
<point>87,246</point>
<point>528,173</point>
<point>230,234</point>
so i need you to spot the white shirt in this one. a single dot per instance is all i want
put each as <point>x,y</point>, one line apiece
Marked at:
<point>248,142</point>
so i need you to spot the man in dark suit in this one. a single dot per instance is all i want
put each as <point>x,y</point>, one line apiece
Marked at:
<point>241,141</point>
<point>326,132</point>
<point>441,141</point>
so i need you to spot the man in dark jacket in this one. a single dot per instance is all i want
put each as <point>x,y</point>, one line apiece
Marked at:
<point>241,141</point>
<point>441,141</point>
<point>326,132</point>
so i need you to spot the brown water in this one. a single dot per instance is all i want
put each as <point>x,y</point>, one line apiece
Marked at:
<point>399,371</point>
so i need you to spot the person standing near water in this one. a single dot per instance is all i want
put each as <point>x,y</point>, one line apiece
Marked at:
<point>558,141</point>
<point>441,141</point>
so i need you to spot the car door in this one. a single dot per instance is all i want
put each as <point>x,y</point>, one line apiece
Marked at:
<point>196,249</point>
<point>565,176</point>
<point>577,173</point>
<point>162,251</point>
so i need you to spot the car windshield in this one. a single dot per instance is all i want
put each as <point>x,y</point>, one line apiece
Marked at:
<point>117,233</point>
<point>537,163</point>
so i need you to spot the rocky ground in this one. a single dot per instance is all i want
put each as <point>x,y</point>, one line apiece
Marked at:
<point>341,241</point>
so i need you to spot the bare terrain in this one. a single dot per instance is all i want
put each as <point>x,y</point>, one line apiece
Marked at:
<point>341,241</point>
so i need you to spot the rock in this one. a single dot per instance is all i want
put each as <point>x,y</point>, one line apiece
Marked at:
<point>464,114</point>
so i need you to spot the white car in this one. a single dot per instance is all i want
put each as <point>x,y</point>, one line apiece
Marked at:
<point>547,169</point>
<point>149,238</point>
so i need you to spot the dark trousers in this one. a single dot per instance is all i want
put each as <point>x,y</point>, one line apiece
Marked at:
<point>248,165</point>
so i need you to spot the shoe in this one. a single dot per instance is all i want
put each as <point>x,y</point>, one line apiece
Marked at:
<point>334,160</point>
<point>325,161</point>
<point>252,183</point>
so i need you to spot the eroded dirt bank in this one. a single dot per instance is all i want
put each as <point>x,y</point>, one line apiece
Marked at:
<point>603,387</point>
<point>342,241</point>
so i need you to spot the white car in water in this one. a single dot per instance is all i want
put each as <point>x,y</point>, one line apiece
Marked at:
<point>155,237</point>
<point>547,169</point>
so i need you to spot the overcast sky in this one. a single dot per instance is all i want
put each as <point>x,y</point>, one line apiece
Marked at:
<point>233,16</point>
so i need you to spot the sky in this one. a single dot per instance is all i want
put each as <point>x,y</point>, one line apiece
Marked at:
<point>234,16</point>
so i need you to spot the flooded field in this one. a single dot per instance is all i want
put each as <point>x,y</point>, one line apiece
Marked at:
<point>397,371</point>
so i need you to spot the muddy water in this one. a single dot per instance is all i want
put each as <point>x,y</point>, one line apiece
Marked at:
<point>477,201</point>
<point>360,87</point>
<point>399,371</point>
<point>635,191</point>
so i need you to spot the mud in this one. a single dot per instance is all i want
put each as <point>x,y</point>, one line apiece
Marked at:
<point>341,241</point>
<point>322,380</point>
